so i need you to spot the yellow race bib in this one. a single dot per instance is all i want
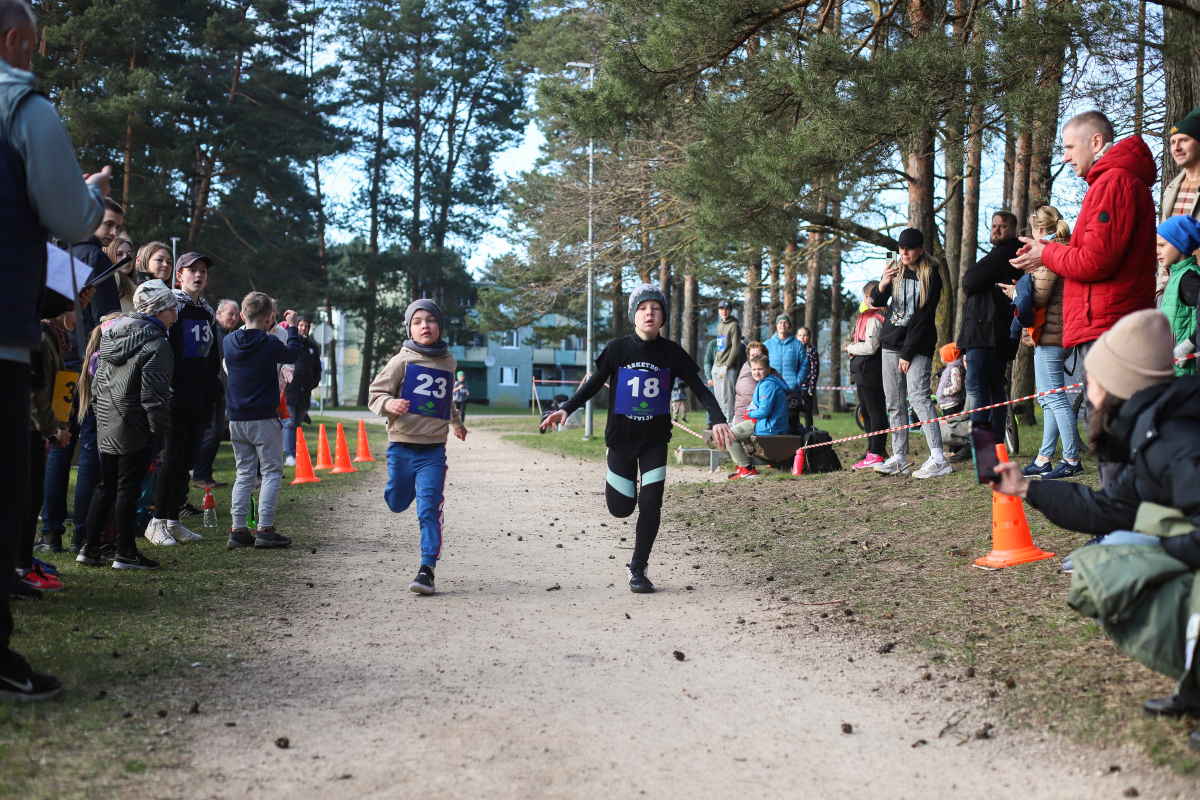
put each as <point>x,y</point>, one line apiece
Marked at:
<point>64,394</point>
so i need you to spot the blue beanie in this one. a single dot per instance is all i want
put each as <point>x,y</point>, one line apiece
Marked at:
<point>1183,232</point>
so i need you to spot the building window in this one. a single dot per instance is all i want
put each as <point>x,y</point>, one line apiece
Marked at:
<point>509,339</point>
<point>508,376</point>
<point>574,343</point>
<point>539,374</point>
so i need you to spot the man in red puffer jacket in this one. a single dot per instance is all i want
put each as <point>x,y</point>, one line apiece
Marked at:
<point>1109,266</point>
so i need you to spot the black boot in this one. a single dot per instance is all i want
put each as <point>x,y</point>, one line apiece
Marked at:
<point>50,542</point>
<point>78,537</point>
<point>1171,706</point>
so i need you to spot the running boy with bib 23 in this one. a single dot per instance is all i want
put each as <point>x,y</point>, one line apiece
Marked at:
<point>640,370</point>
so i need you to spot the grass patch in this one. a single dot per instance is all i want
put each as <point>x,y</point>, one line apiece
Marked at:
<point>901,552</point>
<point>126,645</point>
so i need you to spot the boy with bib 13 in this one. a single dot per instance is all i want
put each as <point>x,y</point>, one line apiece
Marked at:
<point>414,392</point>
<point>640,370</point>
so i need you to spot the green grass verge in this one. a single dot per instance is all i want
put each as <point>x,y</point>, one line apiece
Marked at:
<point>135,650</point>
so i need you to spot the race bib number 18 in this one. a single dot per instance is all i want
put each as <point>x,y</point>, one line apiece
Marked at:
<point>427,391</point>
<point>197,338</point>
<point>642,393</point>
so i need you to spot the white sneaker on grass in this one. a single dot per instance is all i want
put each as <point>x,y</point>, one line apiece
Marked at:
<point>290,461</point>
<point>156,533</point>
<point>933,469</point>
<point>181,534</point>
<point>896,465</point>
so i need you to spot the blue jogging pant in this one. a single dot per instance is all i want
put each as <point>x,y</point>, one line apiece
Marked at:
<point>418,472</point>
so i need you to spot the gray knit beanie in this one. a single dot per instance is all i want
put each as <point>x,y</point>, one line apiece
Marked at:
<point>644,292</point>
<point>1132,355</point>
<point>425,305</point>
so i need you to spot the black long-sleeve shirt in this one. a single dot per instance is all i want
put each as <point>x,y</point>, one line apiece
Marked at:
<point>631,353</point>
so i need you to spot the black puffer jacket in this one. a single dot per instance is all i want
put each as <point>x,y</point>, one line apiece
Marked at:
<point>131,392</point>
<point>1160,426</point>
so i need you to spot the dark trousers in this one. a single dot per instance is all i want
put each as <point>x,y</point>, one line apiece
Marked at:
<point>120,486</point>
<point>810,401</point>
<point>14,482</point>
<point>183,442</point>
<point>461,405</point>
<point>985,386</point>
<point>621,492</point>
<point>210,443</point>
<point>1107,470</point>
<point>874,408</point>
<point>37,476</point>
<point>58,473</point>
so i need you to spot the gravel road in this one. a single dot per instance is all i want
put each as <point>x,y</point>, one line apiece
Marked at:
<point>535,673</point>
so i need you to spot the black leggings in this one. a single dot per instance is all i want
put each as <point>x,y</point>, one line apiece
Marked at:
<point>621,492</point>
<point>120,486</point>
<point>37,478</point>
<point>179,456</point>
<point>874,407</point>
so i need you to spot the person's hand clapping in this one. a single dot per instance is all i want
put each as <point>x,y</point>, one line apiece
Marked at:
<point>397,407</point>
<point>1029,257</point>
<point>556,417</point>
<point>1012,481</point>
<point>722,435</point>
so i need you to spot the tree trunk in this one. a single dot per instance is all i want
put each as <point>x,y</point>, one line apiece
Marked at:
<point>664,283</point>
<point>677,303</point>
<point>835,314</point>
<point>920,188</point>
<point>970,223</point>
<point>619,312</point>
<point>368,346</point>
<point>812,289</point>
<point>953,155</point>
<point>752,308</point>
<point>691,294</point>
<point>772,294</point>
<point>791,261</point>
<point>1018,201</point>
<point>1181,66</point>
<point>1010,157</point>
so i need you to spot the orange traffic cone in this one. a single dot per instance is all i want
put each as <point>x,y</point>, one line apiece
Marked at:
<point>363,451</point>
<point>323,459</point>
<point>304,468</point>
<point>1012,543</point>
<point>342,464</point>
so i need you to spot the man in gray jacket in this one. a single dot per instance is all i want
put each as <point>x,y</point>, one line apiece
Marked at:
<point>41,193</point>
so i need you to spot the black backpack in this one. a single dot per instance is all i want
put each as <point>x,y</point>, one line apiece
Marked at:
<point>820,459</point>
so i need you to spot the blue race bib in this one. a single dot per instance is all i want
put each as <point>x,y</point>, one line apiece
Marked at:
<point>427,391</point>
<point>197,337</point>
<point>643,393</point>
<point>721,344</point>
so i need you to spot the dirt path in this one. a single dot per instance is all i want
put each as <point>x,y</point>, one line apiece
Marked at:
<point>497,687</point>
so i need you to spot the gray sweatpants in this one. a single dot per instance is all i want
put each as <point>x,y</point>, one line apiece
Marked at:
<point>741,433</point>
<point>910,388</point>
<point>725,388</point>
<point>257,445</point>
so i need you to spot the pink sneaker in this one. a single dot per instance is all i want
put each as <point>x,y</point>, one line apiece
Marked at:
<point>870,461</point>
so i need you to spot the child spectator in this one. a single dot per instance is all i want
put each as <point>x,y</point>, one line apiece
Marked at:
<point>679,401</point>
<point>413,392</point>
<point>1178,239</point>
<point>951,398</point>
<point>710,355</point>
<point>252,359</point>
<point>766,416</point>
<point>809,371</point>
<point>131,396</point>
<point>638,370</point>
<point>866,371</point>
<point>461,393</point>
<point>744,388</point>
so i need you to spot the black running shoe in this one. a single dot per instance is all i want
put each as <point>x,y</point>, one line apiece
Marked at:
<point>190,510</point>
<point>134,560</point>
<point>89,557</point>
<point>21,589</point>
<point>423,583</point>
<point>20,684</point>
<point>49,543</point>
<point>240,537</point>
<point>638,582</point>
<point>1170,706</point>
<point>268,537</point>
<point>108,552</point>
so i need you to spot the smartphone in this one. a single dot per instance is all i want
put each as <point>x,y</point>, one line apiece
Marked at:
<point>890,256</point>
<point>983,451</point>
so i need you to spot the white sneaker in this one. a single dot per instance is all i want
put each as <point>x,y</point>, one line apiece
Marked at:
<point>290,461</point>
<point>933,469</point>
<point>156,532</point>
<point>176,530</point>
<point>896,465</point>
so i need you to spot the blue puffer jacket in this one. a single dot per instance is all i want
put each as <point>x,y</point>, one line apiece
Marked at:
<point>787,356</point>
<point>769,407</point>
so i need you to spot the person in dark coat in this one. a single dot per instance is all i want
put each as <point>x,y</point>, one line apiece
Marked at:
<point>987,315</point>
<point>306,376</point>
<point>1147,421</point>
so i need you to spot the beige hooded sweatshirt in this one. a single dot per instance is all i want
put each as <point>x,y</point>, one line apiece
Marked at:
<point>428,390</point>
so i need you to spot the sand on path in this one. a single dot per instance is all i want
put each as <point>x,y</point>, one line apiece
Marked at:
<point>500,686</point>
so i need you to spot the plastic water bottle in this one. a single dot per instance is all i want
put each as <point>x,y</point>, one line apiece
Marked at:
<point>210,509</point>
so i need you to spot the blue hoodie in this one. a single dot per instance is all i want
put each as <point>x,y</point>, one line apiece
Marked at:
<point>789,358</point>
<point>768,407</point>
<point>251,359</point>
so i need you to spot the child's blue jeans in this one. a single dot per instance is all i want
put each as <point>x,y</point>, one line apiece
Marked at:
<point>418,471</point>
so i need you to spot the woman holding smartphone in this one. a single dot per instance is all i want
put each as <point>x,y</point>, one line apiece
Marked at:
<point>910,289</point>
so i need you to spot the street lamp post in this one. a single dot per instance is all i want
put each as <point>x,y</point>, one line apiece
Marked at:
<point>591,277</point>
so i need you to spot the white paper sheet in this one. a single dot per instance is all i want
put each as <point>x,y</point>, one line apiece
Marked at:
<point>58,271</point>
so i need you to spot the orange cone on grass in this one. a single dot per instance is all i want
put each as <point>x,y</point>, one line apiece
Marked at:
<point>323,459</point>
<point>342,464</point>
<point>304,468</point>
<point>363,451</point>
<point>1012,543</point>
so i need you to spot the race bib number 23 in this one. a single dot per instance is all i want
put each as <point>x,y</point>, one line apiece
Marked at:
<point>643,393</point>
<point>427,391</point>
